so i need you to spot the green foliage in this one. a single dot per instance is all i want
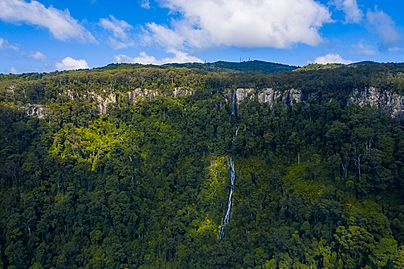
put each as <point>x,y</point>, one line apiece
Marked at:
<point>90,144</point>
<point>313,67</point>
<point>214,189</point>
<point>296,180</point>
<point>399,258</point>
<point>318,184</point>
<point>245,66</point>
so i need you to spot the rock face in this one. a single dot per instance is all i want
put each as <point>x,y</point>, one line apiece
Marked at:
<point>269,96</point>
<point>182,92</point>
<point>243,93</point>
<point>141,94</point>
<point>391,102</point>
<point>33,110</point>
<point>109,97</point>
<point>147,94</point>
<point>103,102</point>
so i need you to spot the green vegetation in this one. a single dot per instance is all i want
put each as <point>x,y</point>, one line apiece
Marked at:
<point>245,66</point>
<point>318,184</point>
<point>313,67</point>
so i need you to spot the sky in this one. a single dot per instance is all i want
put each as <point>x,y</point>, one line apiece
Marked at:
<point>46,35</point>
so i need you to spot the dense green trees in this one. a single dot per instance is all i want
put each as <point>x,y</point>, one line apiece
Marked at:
<point>319,184</point>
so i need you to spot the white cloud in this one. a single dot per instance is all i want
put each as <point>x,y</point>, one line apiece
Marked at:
<point>365,49</point>
<point>38,56</point>
<point>382,24</point>
<point>59,23</point>
<point>143,58</point>
<point>69,63</point>
<point>241,23</point>
<point>167,37</point>
<point>145,4</point>
<point>350,7</point>
<point>120,32</point>
<point>13,70</point>
<point>395,49</point>
<point>4,44</point>
<point>331,58</point>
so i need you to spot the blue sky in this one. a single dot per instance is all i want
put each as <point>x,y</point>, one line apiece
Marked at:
<point>46,35</point>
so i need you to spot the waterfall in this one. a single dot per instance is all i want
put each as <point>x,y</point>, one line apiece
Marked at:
<point>226,219</point>
<point>233,103</point>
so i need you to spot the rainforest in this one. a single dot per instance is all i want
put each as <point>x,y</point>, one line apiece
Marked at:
<point>224,165</point>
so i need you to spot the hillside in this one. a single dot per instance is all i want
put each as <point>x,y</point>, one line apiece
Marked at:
<point>245,66</point>
<point>223,165</point>
<point>220,66</point>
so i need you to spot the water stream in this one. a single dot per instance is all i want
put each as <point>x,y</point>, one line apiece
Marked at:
<point>226,219</point>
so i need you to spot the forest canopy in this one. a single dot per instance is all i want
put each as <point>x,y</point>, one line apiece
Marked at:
<point>127,166</point>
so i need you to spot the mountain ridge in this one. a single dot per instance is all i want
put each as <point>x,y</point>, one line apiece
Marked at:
<point>253,66</point>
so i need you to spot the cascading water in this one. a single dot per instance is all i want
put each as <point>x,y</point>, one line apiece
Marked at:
<point>226,219</point>
<point>233,103</point>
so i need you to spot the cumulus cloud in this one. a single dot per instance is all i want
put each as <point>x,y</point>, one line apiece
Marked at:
<point>241,23</point>
<point>381,24</point>
<point>4,44</point>
<point>69,63</point>
<point>331,58</point>
<point>144,58</point>
<point>120,31</point>
<point>38,56</point>
<point>350,7</point>
<point>60,23</point>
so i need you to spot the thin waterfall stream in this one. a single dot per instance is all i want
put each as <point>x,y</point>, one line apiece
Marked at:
<point>226,218</point>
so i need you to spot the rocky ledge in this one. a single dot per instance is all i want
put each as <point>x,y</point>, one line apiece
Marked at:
<point>391,102</point>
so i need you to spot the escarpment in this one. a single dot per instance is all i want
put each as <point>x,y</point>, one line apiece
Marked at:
<point>388,101</point>
<point>108,98</point>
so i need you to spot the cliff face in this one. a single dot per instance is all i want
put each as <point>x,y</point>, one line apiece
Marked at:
<point>109,97</point>
<point>269,96</point>
<point>245,93</point>
<point>103,101</point>
<point>141,94</point>
<point>392,103</point>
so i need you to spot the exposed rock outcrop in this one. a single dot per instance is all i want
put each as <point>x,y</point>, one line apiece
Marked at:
<point>104,101</point>
<point>34,110</point>
<point>243,93</point>
<point>141,94</point>
<point>109,97</point>
<point>269,96</point>
<point>182,92</point>
<point>389,101</point>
